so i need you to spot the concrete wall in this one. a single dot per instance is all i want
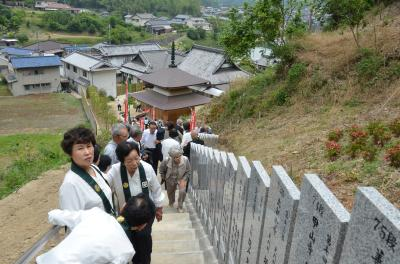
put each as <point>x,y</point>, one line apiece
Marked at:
<point>46,76</point>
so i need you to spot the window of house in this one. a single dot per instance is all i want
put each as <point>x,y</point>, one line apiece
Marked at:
<point>27,87</point>
<point>37,72</point>
<point>68,66</point>
<point>84,73</point>
<point>75,70</point>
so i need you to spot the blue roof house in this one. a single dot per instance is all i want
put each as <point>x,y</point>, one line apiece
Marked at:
<point>34,75</point>
<point>11,52</point>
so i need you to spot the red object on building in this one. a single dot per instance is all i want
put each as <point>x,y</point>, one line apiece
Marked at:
<point>126,102</point>
<point>193,119</point>
<point>142,124</point>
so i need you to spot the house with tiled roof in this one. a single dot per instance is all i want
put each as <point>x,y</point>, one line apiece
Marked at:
<point>34,74</point>
<point>48,47</point>
<point>54,6</point>
<point>83,70</point>
<point>158,26</point>
<point>120,54</point>
<point>139,19</point>
<point>10,52</point>
<point>148,62</point>
<point>212,64</point>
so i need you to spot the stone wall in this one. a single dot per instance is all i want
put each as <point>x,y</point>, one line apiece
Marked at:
<point>252,217</point>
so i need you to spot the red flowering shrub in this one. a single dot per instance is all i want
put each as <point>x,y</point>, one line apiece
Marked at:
<point>332,149</point>
<point>358,141</point>
<point>357,134</point>
<point>335,135</point>
<point>379,132</point>
<point>393,156</point>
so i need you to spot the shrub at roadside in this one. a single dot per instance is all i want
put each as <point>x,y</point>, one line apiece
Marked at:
<point>393,156</point>
<point>358,141</point>
<point>395,127</point>
<point>335,135</point>
<point>369,152</point>
<point>333,149</point>
<point>379,132</point>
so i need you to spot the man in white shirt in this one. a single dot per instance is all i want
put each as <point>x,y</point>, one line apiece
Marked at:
<point>186,138</point>
<point>169,143</point>
<point>149,141</point>
<point>119,133</point>
<point>136,137</point>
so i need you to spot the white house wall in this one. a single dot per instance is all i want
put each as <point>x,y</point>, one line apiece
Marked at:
<point>105,80</point>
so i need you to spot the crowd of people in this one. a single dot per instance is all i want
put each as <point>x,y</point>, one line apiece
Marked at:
<point>121,187</point>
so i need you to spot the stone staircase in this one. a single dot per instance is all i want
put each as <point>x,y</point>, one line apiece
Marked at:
<point>180,238</point>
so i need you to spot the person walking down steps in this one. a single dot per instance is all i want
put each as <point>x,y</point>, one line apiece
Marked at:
<point>175,170</point>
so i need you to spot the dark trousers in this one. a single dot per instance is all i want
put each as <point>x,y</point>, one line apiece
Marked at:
<point>154,157</point>
<point>143,245</point>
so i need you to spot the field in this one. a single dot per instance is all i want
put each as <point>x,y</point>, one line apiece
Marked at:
<point>36,33</point>
<point>40,113</point>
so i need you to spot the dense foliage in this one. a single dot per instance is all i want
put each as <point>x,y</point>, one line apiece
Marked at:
<point>158,7</point>
<point>111,27</point>
<point>267,23</point>
<point>10,19</point>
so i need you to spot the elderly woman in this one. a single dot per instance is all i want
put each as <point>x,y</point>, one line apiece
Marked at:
<point>84,186</point>
<point>130,177</point>
<point>175,170</point>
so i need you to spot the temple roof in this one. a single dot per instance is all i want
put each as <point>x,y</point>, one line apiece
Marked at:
<point>172,78</point>
<point>164,102</point>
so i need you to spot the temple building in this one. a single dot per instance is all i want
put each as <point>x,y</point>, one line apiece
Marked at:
<point>168,94</point>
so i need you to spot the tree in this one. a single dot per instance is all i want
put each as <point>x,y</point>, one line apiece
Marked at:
<point>120,35</point>
<point>335,13</point>
<point>193,34</point>
<point>268,24</point>
<point>201,33</point>
<point>22,37</point>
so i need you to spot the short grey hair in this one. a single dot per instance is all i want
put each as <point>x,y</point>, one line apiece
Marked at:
<point>136,133</point>
<point>175,152</point>
<point>116,129</point>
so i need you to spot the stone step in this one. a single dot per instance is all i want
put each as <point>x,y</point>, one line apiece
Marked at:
<point>174,234</point>
<point>176,217</point>
<point>164,225</point>
<point>167,246</point>
<point>193,257</point>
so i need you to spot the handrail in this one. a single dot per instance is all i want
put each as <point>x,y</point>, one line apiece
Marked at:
<point>38,246</point>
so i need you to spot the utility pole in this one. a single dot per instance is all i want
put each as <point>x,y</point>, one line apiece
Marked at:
<point>109,33</point>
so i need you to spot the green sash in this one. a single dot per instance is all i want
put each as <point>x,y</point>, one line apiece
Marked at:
<point>125,181</point>
<point>92,183</point>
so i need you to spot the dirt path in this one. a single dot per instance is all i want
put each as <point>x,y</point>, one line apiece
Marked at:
<point>23,214</point>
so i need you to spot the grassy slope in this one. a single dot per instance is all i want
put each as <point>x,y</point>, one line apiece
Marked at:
<point>30,133</point>
<point>294,135</point>
<point>26,156</point>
